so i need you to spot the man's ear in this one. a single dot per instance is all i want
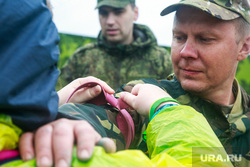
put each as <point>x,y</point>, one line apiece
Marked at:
<point>245,49</point>
<point>136,13</point>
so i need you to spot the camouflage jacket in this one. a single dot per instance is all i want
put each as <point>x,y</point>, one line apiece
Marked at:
<point>231,124</point>
<point>119,64</point>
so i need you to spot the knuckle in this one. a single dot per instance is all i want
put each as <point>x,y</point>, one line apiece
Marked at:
<point>61,129</point>
<point>47,129</point>
<point>85,127</point>
<point>26,135</point>
<point>62,120</point>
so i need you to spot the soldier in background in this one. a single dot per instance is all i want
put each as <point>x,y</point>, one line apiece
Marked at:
<point>124,51</point>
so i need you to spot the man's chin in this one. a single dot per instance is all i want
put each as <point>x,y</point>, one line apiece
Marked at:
<point>113,40</point>
<point>192,87</point>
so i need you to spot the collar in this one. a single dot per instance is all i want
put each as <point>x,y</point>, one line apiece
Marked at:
<point>143,37</point>
<point>237,110</point>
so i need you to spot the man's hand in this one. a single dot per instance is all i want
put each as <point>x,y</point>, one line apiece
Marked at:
<point>53,143</point>
<point>142,97</point>
<point>83,94</point>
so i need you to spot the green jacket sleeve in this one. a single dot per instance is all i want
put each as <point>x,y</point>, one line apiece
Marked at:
<point>184,135</point>
<point>178,136</point>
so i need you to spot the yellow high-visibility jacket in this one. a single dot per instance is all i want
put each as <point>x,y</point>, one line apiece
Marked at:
<point>177,136</point>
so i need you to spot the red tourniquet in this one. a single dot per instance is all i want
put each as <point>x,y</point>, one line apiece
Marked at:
<point>7,154</point>
<point>124,120</point>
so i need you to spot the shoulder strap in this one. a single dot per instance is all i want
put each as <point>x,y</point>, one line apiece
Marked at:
<point>124,119</point>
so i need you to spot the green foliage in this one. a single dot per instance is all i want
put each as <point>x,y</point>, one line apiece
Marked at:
<point>68,44</point>
<point>242,74</point>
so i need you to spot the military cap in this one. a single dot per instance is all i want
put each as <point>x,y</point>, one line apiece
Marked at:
<point>222,9</point>
<point>114,3</point>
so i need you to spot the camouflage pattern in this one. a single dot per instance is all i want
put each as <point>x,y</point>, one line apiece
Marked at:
<point>119,64</point>
<point>231,124</point>
<point>222,9</point>
<point>103,119</point>
<point>114,3</point>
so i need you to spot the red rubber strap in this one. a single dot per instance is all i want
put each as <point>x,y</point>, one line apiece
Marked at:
<point>7,154</point>
<point>124,119</point>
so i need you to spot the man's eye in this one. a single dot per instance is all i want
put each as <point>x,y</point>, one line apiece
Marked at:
<point>179,38</point>
<point>118,12</point>
<point>202,39</point>
<point>103,13</point>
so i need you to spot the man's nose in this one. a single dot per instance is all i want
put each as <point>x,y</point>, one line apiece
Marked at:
<point>111,18</point>
<point>189,49</point>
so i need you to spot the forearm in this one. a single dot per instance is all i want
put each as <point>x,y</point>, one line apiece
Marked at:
<point>178,129</point>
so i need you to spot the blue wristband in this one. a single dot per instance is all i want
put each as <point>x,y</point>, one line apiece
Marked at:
<point>157,103</point>
<point>144,135</point>
<point>161,108</point>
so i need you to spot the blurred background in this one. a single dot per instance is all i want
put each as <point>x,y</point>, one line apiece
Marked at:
<point>78,24</point>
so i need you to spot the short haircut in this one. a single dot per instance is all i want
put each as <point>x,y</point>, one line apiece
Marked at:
<point>242,28</point>
<point>132,5</point>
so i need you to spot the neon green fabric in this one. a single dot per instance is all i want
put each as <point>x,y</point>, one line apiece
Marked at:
<point>171,135</point>
<point>179,129</point>
<point>128,158</point>
<point>9,133</point>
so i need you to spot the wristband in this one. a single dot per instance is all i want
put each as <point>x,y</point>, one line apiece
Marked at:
<point>161,108</point>
<point>144,134</point>
<point>157,103</point>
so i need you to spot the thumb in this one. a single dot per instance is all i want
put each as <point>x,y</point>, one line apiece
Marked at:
<point>91,93</point>
<point>86,94</point>
<point>108,144</point>
<point>128,98</point>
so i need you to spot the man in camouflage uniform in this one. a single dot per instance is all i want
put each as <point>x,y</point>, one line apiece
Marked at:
<point>124,51</point>
<point>210,37</point>
<point>211,88</point>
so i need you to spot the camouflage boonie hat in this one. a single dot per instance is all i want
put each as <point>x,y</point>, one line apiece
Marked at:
<point>114,3</point>
<point>222,9</point>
